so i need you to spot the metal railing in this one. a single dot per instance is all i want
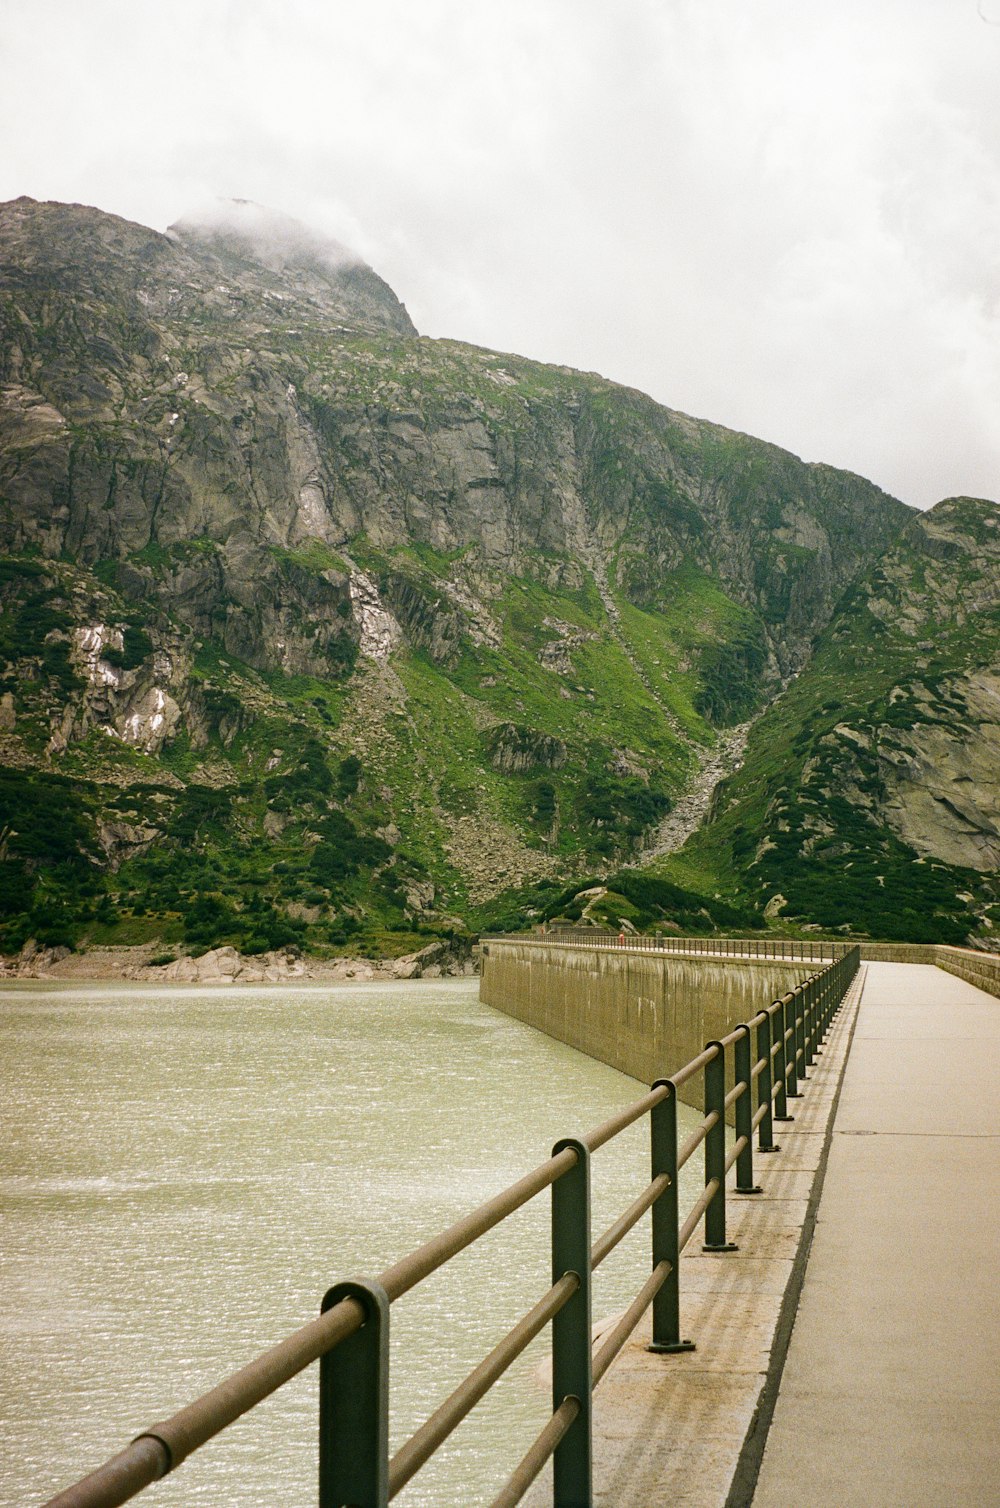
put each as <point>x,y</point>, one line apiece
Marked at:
<point>769,1057</point>
<point>794,950</point>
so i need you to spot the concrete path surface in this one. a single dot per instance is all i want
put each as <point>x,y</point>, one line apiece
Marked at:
<point>890,1393</point>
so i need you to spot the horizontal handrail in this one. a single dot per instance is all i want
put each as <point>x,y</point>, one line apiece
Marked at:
<point>800,1017</point>
<point>738,1146</point>
<point>617,1232</point>
<point>696,1064</point>
<point>434,1253</point>
<point>164,1446</point>
<point>696,1138</point>
<point>536,1457</point>
<point>617,1337</point>
<point>697,1210</point>
<point>735,1093</point>
<point>424,1442</point>
<point>625,1118</point>
<point>773,949</point>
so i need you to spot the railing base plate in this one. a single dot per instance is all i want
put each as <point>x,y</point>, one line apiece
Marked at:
<point>726,1246</point>
<point>681,1345</point>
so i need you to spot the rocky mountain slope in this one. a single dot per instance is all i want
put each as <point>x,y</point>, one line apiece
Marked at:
<point>317,630</point>
<point>870,794</point>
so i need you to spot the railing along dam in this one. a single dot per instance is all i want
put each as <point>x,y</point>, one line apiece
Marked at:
<point>765,1058</point>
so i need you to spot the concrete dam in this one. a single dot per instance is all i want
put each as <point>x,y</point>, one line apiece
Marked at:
<point>642,1012</point>
<point>815,1328</point>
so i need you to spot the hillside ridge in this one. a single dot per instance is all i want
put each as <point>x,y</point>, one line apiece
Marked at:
<point>322,631</point>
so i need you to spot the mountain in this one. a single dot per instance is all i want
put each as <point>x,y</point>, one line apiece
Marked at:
<point>870,794</point>
<point>320,631</point>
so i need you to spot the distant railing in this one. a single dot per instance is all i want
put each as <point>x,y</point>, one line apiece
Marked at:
<point>769,1057</point>
<point>794,949</point>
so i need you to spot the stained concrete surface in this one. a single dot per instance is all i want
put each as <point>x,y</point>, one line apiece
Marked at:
<point>642,1011</point>
<point>890,1394</point>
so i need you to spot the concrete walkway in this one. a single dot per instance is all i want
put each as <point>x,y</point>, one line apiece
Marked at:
<point>890,1393</point>
<point>669,1430</point>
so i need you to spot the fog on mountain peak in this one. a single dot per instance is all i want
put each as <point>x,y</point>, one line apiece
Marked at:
<point>271,237</point>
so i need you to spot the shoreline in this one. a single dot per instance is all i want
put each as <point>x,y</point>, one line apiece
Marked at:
<point>225,965</point>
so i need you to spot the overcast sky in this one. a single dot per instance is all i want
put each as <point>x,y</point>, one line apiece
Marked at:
<point>777,214</point>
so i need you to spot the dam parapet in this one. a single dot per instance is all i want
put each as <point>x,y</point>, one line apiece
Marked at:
<point>640,1009</point>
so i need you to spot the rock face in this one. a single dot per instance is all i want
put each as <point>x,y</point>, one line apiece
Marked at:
<point>939,753</point>
<point>221,409</point>
<point>282,577</point>
<point>870,795</point>
<point>515,749</point>
<point>943,778</point>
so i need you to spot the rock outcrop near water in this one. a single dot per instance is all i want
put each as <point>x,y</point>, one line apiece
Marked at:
<point>320,632</point>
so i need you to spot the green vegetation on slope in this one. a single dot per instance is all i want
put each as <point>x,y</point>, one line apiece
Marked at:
<point>807,824</point>
<point>217,496</point>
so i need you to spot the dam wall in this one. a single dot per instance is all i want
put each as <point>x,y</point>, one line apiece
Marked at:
<point>646,1014</point>
<point>980,969</point>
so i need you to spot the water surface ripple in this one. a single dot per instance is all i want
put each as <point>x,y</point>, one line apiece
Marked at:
<point>183,1173</point>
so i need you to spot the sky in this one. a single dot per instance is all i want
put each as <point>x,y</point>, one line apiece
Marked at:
<point>780,215</point>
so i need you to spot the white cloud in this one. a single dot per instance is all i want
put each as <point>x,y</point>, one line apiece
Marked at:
<point>781,217</point>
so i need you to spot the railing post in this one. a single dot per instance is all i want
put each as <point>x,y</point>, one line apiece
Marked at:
<point>663,1159</point>
<point>809,1009</point>
<point>744,1111</point>
<point>791,1053</point>
<point>572,1375</point>
<point>780,1070</point>
<point>791,1061</point>
<point>799,1019</point>
<point>765,1084</point>
<point>354,1405</point>
<point>715,1151</point>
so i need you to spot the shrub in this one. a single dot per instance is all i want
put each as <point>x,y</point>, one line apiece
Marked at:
<point>136,646</point>
<point>348,776</point>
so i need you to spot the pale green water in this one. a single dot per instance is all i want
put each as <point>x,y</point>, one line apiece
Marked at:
<point>184,1173</point>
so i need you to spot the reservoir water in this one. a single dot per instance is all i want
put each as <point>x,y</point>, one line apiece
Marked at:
<point>184,1172</point>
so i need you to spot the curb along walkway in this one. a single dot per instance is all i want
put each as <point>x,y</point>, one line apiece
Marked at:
<point>890,1394</point>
